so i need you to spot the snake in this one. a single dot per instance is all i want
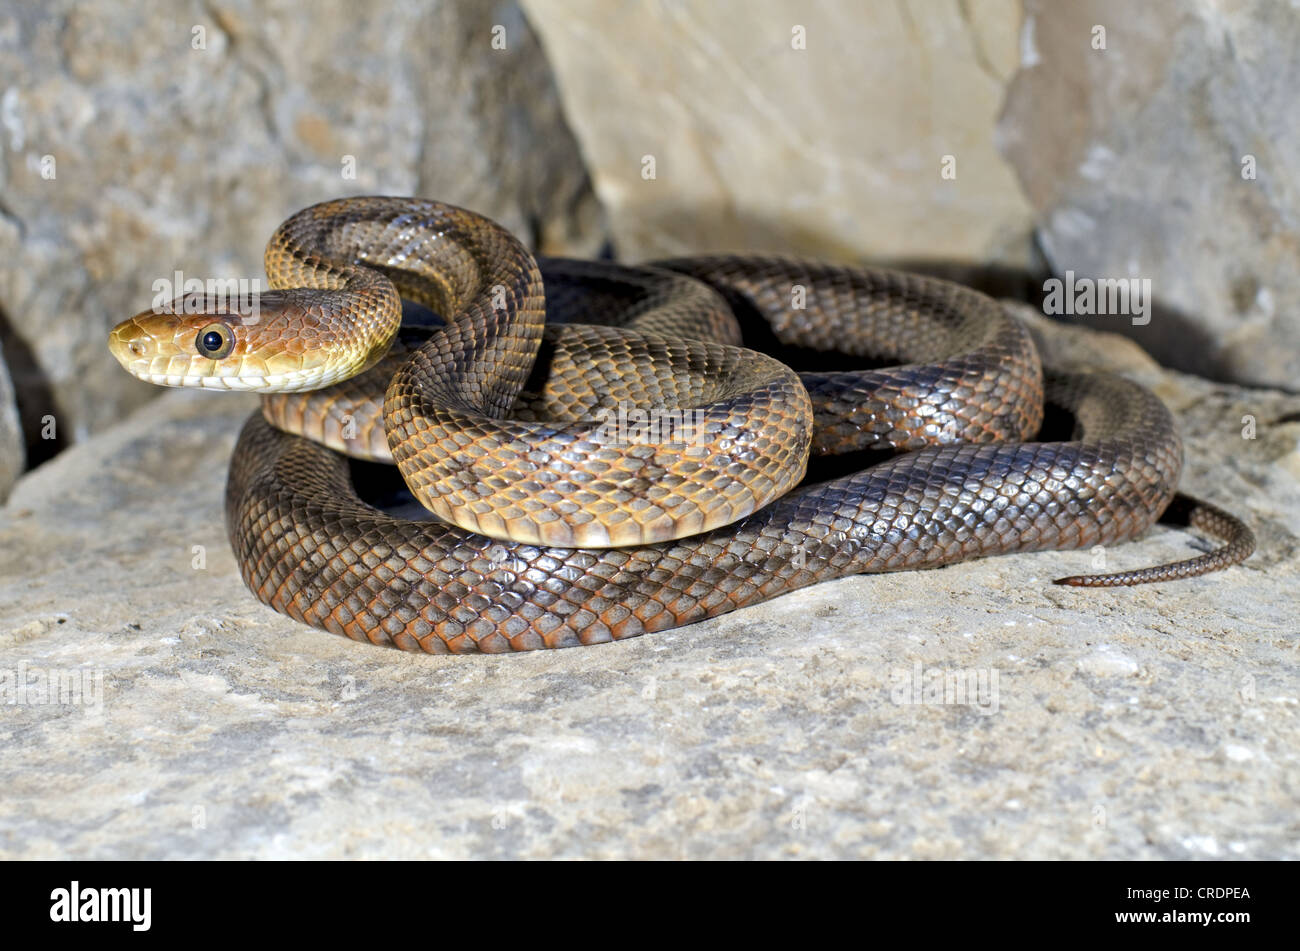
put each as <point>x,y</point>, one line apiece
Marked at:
<point>891,425</point>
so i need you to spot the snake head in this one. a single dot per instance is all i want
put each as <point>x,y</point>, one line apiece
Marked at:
<point>279,344</point>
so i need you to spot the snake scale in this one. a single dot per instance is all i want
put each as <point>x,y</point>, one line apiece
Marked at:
<point>552,527</point>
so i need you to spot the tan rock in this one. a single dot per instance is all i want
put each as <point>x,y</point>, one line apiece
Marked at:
<point>1154,722</point>
<point>834,149</point>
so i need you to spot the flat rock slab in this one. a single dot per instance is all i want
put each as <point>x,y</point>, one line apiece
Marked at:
<point>1158,722</point>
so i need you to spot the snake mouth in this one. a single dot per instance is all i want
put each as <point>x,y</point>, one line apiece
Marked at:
<point>133,347</point>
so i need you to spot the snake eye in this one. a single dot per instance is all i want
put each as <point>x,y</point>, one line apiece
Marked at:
<point>214,341</point>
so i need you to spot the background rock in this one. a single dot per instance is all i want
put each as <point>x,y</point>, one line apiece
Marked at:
<point>832,150</point>
<point>126,153</point>
<point>12,451</point>
<point>1154,722</point>
<point>1133,159</point>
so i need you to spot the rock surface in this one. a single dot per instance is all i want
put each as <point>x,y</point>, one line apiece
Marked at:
<point>815,128</point>
<point>1158,722</point>
<point>12,449</point>
<point>1171,155</point>
<point>137,139</point>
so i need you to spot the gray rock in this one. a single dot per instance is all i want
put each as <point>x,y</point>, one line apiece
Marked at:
<point>1156,722</point>
<point>1171,155</point>
<point>12,451</point>
<point>138,139</point>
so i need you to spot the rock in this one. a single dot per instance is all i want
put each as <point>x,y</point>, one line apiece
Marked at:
<point>834,149</point>
<point>1170,155</point>
<point>1154,722</point>
<point>126,159</point>
<point>12,451</point>
<point>1074,348</point>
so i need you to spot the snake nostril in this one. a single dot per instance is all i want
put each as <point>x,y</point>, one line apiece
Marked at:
<point>136,347</point>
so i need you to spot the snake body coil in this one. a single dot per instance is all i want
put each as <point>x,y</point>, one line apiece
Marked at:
<point>555,530</point>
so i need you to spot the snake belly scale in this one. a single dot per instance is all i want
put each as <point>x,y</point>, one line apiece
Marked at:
<point>551,529</point>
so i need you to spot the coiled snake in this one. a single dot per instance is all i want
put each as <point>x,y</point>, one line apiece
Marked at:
<point>564,515</point>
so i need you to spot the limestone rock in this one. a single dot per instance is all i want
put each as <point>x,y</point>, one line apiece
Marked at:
<point>1171,155</point>
<point>139,139</point>
<point>1154,722</point>
<point>12,451</point>
<point>816,128</point>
